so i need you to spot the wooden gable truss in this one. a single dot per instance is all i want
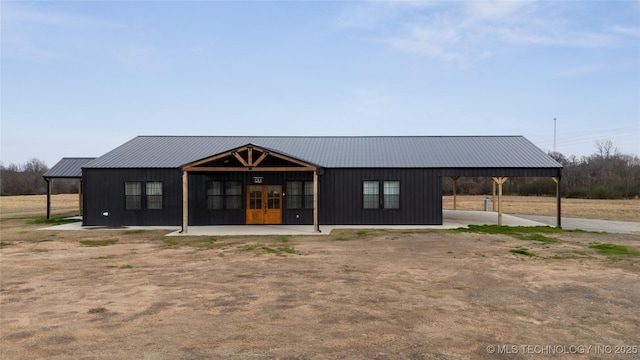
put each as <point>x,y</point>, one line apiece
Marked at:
<point>246,158</point>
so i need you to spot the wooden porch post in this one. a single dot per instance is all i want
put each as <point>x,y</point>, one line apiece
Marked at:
<point>493,199</point>
<point>556,179</point>
<point>316,225</point>
<point>500,181</point>
<point>49,186</point>
<point>455,192</point>
<point>185,202</point>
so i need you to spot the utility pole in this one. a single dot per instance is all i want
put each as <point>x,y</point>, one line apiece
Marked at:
<point>554,135</point>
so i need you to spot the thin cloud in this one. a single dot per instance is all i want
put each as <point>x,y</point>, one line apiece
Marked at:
<point>464,31</point>
<point>39,34</point>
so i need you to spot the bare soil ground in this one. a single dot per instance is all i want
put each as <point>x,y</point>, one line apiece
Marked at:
<point>353,294</point>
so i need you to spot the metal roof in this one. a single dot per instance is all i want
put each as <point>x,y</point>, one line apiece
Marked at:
<point>67,168</point>
<point>337,152</point>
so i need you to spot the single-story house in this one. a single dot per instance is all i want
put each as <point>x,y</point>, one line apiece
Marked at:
<point>231,180</point>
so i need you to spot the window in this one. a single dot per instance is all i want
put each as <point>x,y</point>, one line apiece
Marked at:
<point>299,195</point>
<point>154,195</point>
<point>233,193</point>
<point>294,195</point>
<point>390,194</point>
<point>370,192</point>
<point>391,191</point>
<point>214,195</point>
<point>308,194</point>
<point>133,195</point>
<point>227,195</point>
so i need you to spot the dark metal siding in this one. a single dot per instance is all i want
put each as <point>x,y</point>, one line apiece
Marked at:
<point>420,197</point>
<point>104,191</point>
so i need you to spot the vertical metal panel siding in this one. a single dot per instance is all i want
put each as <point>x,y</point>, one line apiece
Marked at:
<point>104,192</point>
<point>199,214</point>
<point>420,197</point>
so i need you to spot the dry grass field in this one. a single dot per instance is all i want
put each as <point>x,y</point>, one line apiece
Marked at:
<point>621,210</point>
<point>36,205</point>
<point>357,294</point>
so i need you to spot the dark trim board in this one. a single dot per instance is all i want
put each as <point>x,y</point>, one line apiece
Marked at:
<point>508,172</point>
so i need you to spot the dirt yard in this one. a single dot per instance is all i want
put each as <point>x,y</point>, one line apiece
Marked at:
<point>358,294</point>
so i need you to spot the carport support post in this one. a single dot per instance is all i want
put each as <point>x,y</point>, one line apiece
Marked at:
<point>455,191</point>
<point>185,202</point>
<point>556,179</point>
<point>316,225</point>
<point>500,181</point>
<point>49,186</point>
<point>493,199</point>
<point>80,196</point>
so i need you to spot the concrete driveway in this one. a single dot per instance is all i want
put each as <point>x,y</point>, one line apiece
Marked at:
<point>587,224</point>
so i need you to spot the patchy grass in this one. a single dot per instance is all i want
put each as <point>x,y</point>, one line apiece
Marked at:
<point>132,232</point>
<point>42,220</point>
<point>38,250</point>
<point>172,241</point>
<point>537,237</point>
<point>97,310</point>
<point>3,244</point>
<point>126,266</point>
<point>105,242</point>
<point>522,251</point>
<point>105,257</point>
<point>613,249</point>
<point>344,234</point>
<point>198,241</point>
<point>510,230</point>
<point>280,250</point>
<point>531,233</point>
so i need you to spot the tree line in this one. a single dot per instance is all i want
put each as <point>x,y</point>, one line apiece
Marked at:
<point>26,179</point>
<point>605,174</point>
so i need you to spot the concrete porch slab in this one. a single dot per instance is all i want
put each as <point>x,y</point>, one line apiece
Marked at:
<point>451,219</point>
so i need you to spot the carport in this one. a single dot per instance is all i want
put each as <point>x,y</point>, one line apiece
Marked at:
<point>67,168</point>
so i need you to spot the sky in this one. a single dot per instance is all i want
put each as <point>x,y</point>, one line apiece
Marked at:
<point>79,78</point>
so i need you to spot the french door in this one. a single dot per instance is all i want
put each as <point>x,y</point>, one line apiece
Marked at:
<point>264,204</point>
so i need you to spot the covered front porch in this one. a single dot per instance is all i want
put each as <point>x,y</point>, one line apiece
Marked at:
<point>246,186</point>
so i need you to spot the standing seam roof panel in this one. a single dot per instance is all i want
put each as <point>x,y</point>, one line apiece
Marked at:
<point>338,152</point>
